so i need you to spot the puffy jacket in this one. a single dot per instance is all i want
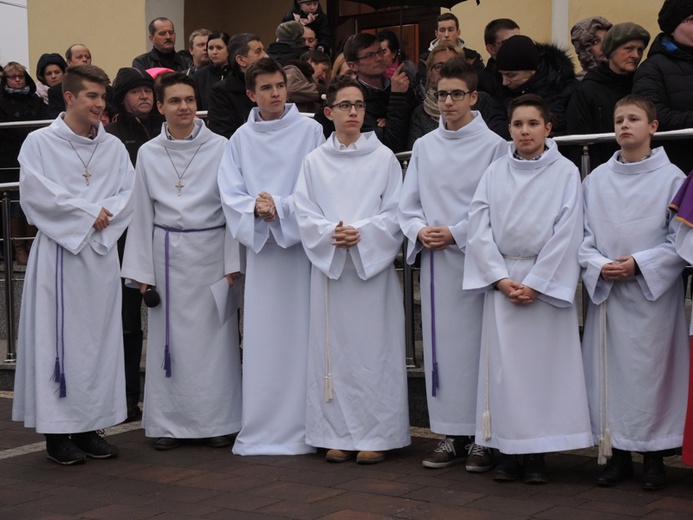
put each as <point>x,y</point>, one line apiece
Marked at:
<point>229,105</point>
<point>666,77</point>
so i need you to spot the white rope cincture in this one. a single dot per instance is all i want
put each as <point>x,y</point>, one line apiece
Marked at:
<point>604,432</point>
<point>486,416</point>
<point>328,361</point>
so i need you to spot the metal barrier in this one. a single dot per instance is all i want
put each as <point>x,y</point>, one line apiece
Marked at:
<point>408,271</point>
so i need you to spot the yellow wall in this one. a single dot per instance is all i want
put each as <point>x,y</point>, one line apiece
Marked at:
<point>111,30</point>
<point>535,17</point>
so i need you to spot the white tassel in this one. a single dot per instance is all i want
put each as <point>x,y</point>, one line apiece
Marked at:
<point>328,388</point>
<point>486,425</point>
<point>607,443</point>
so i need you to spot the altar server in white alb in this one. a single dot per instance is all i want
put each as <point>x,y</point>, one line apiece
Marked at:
<point>441,179</point>
<point>178,244</point>
<point>257,178</point>
<point>76,183</point>
<point>346,207</point>
<point>525,225</point>
<point>635,344</point>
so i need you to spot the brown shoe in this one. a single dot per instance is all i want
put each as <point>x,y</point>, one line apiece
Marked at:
<point>337,455</point>
<point>370,457</point>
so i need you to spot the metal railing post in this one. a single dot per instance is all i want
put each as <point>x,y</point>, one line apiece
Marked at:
<point>9,281</point>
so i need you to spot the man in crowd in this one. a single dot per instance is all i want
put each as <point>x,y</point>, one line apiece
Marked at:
<point>76,54</point>
<point>197,45</point>
<point>163,53</point>
<point>495,34</point>
<point>229,105</point>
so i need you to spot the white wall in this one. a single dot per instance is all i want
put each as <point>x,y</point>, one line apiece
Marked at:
<point>14,33</point>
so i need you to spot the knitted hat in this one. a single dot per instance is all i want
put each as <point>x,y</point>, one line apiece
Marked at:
<point>672,13</point>
<point>622,33</point>
<point>127,79</point>
<point>290,31</point>
<point>518,53</point>
<point>49,59</point>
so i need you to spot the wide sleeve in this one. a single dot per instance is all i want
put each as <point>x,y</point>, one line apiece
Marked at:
<point>410,213</point>
<point>660,266</point>
<point>315,229</point>
<point>232,254</point>
<point>138,258</point>
<point>484,265</point>
<point>381,237</point>
<point>66,219</point>
<point>556,271</point>
<point>591,259</point>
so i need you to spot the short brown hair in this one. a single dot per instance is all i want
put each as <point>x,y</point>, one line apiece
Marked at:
<point>641,102</point>
<point>448,16</point>
<point>152,24</point>
<point>167,79</point>
<point>262,66</point>
<point>530,100</point>
<point>459,68</point>
<point>339,83</point>
<point>76,75</point>
<point>195,34</point>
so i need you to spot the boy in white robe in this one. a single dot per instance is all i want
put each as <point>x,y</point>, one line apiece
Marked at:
<point>346,207</point>
<point>441,179</point>
<point>635,345</point>
<point>179,244</point>
<point>525,225</point>
<point>76,183</point>
<point>257,178</point>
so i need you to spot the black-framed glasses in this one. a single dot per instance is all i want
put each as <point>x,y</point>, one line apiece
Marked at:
<point>456,95</point>
<point>370,55</point>
<point>345,106</point>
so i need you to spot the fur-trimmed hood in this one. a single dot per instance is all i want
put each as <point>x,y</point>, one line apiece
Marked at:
<point>556,69</point>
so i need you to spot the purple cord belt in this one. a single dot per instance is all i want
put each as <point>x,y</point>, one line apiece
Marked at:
<point>59,368</point>
<point>434,357</point>
<point>169,230</point>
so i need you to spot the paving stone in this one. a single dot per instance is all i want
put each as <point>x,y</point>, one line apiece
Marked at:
<point>379,487</point>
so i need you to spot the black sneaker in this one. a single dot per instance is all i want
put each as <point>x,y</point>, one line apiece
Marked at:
<point>448,453</point>
<point>534,471</point>
<point>94,445</point>
<point>62,450</point>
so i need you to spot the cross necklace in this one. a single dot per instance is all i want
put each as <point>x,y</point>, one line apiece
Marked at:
<point>180,184</point>
<point>86,173</point>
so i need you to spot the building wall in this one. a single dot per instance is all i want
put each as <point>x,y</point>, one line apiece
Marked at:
<point>547,20</point>
<point>14,33</point>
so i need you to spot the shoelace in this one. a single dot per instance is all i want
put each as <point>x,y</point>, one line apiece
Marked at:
<point>446,445</point>
<point>476,451</point>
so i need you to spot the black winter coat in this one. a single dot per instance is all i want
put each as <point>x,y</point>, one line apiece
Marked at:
<point>133,132</point>
<point>666,78</point>
<point>554,81</point>
<point>205,78</point>
<point>154,58</point>
<point>321,26</point>
<point>229,105</point>
<point>591,109</point>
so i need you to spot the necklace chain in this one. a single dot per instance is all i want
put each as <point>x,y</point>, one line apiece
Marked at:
<point>180,184</point>
<point>86,173</point>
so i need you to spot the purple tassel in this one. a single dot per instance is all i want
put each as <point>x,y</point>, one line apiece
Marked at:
<point>63,385</point>
<point>56,370</point>
<point>434,379</point>
<point>167,361</point>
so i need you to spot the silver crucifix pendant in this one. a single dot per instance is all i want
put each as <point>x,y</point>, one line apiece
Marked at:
<point>180,186</point>
<point>86,176</point>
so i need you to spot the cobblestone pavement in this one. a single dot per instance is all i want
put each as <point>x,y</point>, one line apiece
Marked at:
<point>198,482</point>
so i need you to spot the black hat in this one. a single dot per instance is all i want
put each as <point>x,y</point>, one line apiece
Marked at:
<point>622,33</point>
<point>672,13</point>
<point>127,79</point>
<point>49,59</point>
<point>518,53</point>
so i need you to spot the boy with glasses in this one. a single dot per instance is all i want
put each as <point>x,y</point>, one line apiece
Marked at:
<point>346,208</point>
<point>443,174</point>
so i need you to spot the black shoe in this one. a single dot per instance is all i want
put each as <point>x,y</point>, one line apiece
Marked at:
<point>534,471</point>
<point>61,449</point>
<point>94,445</point>
<point>220,441</point>
<point>508,469</point>
<point>134,414</point>
<point>654,477</point>
<point>618,469</point>
<point>166,443</point>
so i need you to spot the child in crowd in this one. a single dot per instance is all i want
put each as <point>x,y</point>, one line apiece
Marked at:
<point>634,346</point>
<point>346,207</point>
<point>443,175</point>
<point>310,14</point>
<point>257,178</point>
<point>525,225</point>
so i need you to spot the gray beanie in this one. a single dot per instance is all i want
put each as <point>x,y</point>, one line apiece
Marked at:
<point>290,31</point>
<point>622,33</point>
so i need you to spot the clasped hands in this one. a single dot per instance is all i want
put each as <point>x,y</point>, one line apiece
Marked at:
<point>264,207</point>
<point>622,268</point>
<point>345,236</point>
<point>517,293</point>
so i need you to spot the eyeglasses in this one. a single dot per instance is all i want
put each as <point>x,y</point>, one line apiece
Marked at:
<point>16,76</point>
<point>456,95</point>
<point>370,55</point>
<point>345,106</point>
